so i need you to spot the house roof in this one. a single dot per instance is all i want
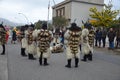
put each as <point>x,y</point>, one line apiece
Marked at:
<point>78,1</point>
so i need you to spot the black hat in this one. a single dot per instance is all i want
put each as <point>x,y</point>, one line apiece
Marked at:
<point>44,26</point>
<point>74,27</point>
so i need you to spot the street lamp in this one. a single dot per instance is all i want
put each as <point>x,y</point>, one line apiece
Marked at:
<point>25,17</point>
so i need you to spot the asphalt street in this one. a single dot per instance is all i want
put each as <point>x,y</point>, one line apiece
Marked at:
<point>103,67</point>
<point>3,66</point>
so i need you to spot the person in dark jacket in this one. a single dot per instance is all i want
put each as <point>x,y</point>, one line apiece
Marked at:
<point>62,36</point>
<point>118,38</point>
<point>111,37</point>
<point>98,36</point>
<point>104,33</point>
<point>14,36</point>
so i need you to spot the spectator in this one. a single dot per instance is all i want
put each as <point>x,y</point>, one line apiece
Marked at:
<point>62,36</point>
<point>111,37</point>
<point>98,36</point>
<point>14,36</point>
<point>104,33</point>
<point>118,38</point>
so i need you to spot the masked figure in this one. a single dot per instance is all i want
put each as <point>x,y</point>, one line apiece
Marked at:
<point>2,38</point>
<point>23,40</point>
<point>87,38</point>
<point>30,42</point>
<point>44,38</point>
<point>72,41</point>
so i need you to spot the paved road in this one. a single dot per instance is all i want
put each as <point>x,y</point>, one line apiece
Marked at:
<point>103,67</point>
<point>3,66</point>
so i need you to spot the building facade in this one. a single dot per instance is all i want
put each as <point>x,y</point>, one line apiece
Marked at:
<point>76,10</point>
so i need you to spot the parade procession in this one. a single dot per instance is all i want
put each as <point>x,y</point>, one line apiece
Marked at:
<point>59,40</point>
<point>39,44</point>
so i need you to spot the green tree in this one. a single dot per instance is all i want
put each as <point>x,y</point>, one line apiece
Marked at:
<point>59,22</point>
<point>105,17</point>
<point>50,27</point>
<point>116,23</point>
<point>38,25</point>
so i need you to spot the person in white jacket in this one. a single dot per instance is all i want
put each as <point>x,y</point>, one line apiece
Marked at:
<point>72,42</point>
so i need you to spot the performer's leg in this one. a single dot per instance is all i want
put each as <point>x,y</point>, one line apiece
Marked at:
<point>76,62</point>
<point>84,58</point>
<point>23,52</point>
<point>90,56</point>
<point>40,59</point>
<point>3,53</point>
<point>45,62</point>
<point>68,64</point>
<point>30,56</point>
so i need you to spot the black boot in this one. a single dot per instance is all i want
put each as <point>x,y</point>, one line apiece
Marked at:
<point>23,52</point>
<point>3,53</point>
<point>90,56</point>
<point>69,63</point>
<point>76,62</point>
<point>32,57</point>
<point>40,59</point>
<point>84,58</point>
<point>45,62</point>
<point>29,56</point>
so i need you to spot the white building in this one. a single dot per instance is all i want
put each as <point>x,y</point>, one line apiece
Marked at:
<point>76,10</point>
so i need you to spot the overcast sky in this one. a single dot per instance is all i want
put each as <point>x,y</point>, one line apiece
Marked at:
<point>34,10</point>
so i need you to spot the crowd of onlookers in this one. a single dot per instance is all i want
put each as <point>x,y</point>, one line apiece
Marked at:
<point>113,36</point>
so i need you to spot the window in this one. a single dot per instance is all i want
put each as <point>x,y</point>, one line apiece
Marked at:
<point>60,11</point>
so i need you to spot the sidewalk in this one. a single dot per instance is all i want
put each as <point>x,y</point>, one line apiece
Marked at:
<point>114,51</point>
<point>108,51</point>
<point>3,67</point>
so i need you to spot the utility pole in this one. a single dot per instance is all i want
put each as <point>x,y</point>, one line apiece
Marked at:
<point>54,2</point>
<point>48,12</point>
